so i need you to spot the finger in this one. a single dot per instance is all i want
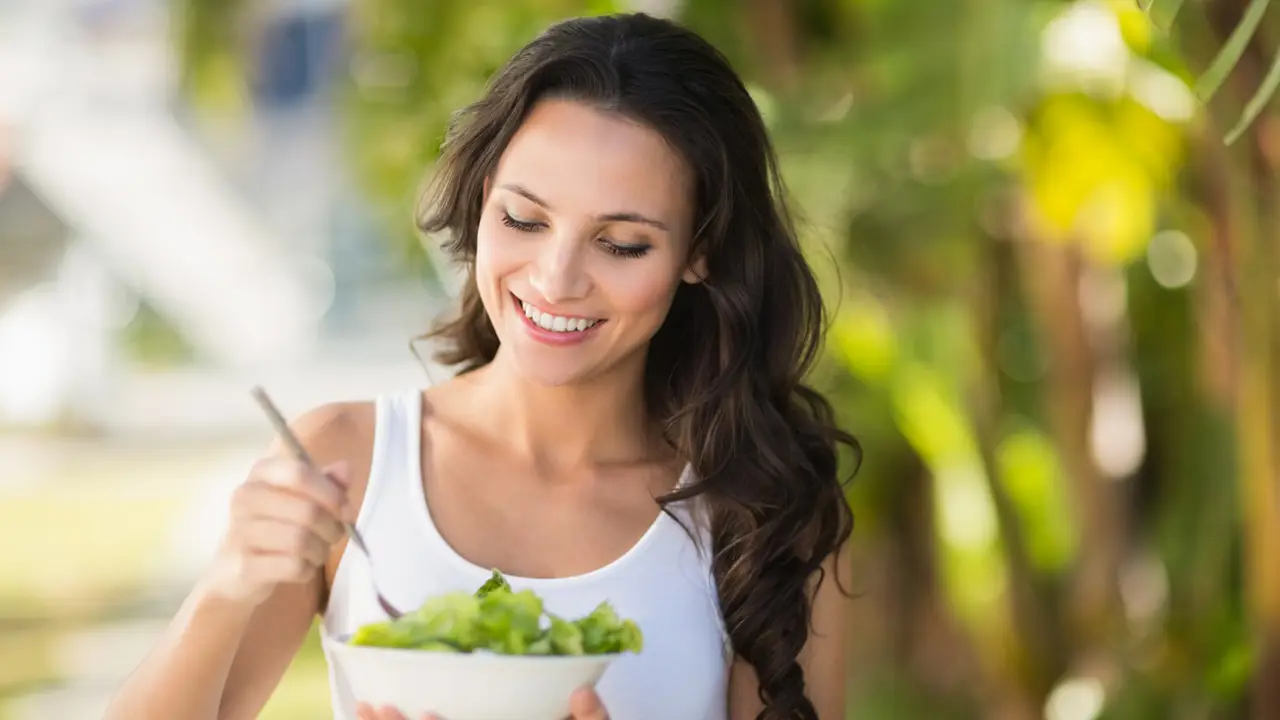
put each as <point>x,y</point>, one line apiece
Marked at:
<point>261,500</point>
<point>586,705</point>
<point>304,511</point>
<point>364,712</point>
<point>297,478</point>
<point>272,567</point>
<point>277,537</point>
<point>339,472</point>
<point>386,712</point>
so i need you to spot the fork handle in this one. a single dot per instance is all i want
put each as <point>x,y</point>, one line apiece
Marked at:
<point>295,446</point>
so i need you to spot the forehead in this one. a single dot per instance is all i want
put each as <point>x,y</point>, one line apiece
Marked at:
<point>584,160</point>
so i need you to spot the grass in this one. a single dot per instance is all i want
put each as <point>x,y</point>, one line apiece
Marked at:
<point>77,556</point>
<point>86,542</point>
<point>303,693</point>
<point>79,550</point>
<point>27,659</point>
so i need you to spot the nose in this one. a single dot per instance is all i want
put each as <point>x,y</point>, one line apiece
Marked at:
<point>558,273</point>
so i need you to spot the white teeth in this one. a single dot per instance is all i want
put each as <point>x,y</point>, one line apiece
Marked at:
<point>555,323</point>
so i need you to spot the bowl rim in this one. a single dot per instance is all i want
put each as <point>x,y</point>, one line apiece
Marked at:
<point>474,656</point>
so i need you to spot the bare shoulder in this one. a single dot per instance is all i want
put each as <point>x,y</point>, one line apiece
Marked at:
<point>340,432</point>
<point>341,424</point>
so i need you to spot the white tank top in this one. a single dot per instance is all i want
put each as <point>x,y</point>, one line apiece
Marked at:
<point>663,582</point>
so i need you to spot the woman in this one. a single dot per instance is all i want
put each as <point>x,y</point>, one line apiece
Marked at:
<point>636,323</point>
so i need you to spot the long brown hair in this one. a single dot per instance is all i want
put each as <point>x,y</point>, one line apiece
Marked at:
<point>725,372</point>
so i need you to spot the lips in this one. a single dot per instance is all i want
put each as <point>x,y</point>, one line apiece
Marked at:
<point>555,329</point>
<point>555,323</point>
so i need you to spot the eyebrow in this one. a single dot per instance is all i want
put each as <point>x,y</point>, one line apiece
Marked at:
<point>632,217</point>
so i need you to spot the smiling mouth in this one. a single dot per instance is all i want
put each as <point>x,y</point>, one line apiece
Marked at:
<point>555,323</point>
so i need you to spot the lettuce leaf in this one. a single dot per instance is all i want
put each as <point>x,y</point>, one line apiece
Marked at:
<point>604,632</point>
<point>497,619</point>
<point>495,582</point>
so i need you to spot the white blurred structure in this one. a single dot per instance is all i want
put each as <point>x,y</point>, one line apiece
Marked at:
<point>240,260</point>
<point>94,137</point>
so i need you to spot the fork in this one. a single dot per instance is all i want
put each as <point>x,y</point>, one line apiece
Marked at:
<point>301,454</point>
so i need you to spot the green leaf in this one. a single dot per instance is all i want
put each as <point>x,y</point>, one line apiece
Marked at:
<point>541,646</point>
<point>381,634</point>
<point>1258,102</point>
<point>630,639</point>
<point>1230,53</point>
<point>510,622</point>
<point>437,646</point>
<point>499,620</point>
<point>565,637</point>
<point>453,618</point>
<point>494,583</point>
<point>604,632</point>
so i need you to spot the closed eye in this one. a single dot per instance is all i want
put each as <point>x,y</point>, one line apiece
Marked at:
<point>528,226</point>
<point>627,251</point>
<point>521,225</point>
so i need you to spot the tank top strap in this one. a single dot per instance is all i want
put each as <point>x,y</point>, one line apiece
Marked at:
<point>397,441</point>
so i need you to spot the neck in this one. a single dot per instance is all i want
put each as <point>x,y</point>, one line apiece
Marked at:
<point>599,421</point>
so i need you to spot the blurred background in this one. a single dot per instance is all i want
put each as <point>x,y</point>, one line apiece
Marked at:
<point>1044,228</point>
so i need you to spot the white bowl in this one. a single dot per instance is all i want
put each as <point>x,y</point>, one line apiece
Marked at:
<point>466,686</point>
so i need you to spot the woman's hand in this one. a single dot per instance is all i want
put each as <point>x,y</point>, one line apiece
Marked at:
<point>585,705</point>
<point>284,519</point>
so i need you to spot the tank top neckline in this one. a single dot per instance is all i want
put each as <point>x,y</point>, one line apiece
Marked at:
<point>418,498</point>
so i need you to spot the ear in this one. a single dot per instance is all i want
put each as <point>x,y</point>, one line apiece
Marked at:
<point>696,271</point>
<point>484,195</point>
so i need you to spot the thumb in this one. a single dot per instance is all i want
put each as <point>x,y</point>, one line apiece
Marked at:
<point>339,472</point>
<point>586,705</point>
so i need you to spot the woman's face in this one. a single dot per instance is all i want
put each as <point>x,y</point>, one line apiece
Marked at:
<point>583,240</point>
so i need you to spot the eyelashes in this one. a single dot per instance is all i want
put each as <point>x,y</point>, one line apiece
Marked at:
<point>520,225</point>
<point>625,251</point>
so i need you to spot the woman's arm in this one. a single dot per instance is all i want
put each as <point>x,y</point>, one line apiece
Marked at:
<point>222,657</point>
<point>218,658</point>
<point>824,658</point>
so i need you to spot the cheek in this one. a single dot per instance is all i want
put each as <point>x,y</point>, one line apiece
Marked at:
<point>492,267</point>
<point>484,270</point>
<point>484,253</point>
<point>644,296</point>
<point>494,258</point>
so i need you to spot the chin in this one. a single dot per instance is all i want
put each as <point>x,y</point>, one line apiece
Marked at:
<point>562,366</point>
<point>547,373</point>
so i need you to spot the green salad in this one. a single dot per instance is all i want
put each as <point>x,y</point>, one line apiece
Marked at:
<point>497,619</point>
